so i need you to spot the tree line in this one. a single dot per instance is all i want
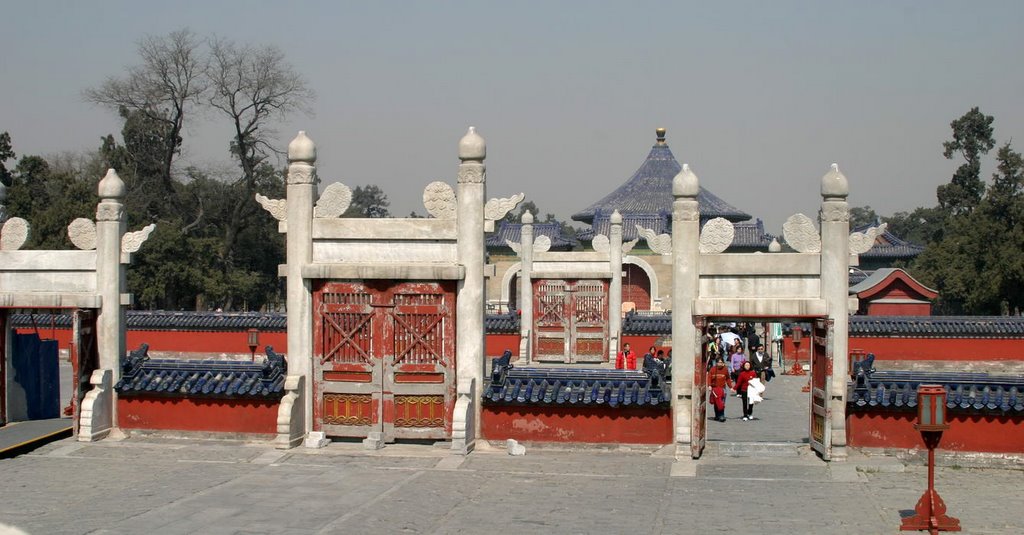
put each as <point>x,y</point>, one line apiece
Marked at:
<point>974,234</point>
<point>214,247</point>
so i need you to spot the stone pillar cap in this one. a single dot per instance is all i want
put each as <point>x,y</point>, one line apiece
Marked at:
<point>472,146</point>
<point>616,218</point>
<point>302,149</point>
<point>527,218</point>
<point>111,187</point>
<point>834,183</point>
<point>686,183</point>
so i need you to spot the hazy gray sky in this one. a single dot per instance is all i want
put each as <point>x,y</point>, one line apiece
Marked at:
<point>758,97</point>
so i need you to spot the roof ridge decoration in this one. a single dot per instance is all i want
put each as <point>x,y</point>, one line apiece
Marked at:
<point>658,243</point>
<point>132,241</point>
<point>14,234</point>
<point>541,244</point>
<point>496,208</point>
<point>862,242</point>
<point>333,202</point>
<point>716,236</point>
<point>801,234</point>
<point>439,200</point>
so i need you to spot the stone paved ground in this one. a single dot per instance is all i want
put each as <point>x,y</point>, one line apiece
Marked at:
<point>187,486</point>
<point>163,485</point>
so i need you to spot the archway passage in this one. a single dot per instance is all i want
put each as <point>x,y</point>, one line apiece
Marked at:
<point>794,410</point>
<point>636,287</point>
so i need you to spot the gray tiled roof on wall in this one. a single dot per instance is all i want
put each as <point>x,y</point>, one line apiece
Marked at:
<point>972,393</point>
<point>161,320</point>
<point>513,232</point>
<point>937,326</point>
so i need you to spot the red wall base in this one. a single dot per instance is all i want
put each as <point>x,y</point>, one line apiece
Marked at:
<point>187,414</point>
<point>596,425</point>
<point>969,433</point>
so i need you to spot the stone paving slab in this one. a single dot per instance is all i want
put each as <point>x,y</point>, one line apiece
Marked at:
<point>168,490</point>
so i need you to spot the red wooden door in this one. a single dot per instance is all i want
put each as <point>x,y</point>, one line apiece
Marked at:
<point>821,388</point>
<point>570,321</point>
<point>384,359</point>
<point>84,358</point>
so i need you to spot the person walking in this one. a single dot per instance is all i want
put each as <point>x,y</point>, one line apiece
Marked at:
<point>718,379</point>
<point>736,360</point>
<point>626,360</point>
<point>761,362</point>
<point>742,383</point>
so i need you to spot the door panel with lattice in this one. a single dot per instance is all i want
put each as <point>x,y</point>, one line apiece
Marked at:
<point>551,321</point>
<point>588,330</point>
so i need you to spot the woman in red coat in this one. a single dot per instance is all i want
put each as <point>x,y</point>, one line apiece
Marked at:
<point>742,381</point>
<point>718,379</point>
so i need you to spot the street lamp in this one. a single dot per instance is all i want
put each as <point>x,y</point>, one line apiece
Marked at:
<point>254,342</point>
<point>930,512</point>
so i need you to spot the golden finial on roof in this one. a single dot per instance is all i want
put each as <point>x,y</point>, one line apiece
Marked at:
<point>661,135</point>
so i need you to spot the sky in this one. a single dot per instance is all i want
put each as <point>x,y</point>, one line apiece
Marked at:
<point>758,97</point>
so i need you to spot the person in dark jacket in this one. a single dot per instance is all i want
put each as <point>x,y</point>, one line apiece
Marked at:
<point>761,362</point>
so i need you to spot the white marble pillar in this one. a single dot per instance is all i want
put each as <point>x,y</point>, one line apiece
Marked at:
<point>615,287</point>
<point>111,282</point>
<point>526,285</point>
<point>835,263</point>
<point>685,285</point>
<point>469,323</point>
<point>301,196</point>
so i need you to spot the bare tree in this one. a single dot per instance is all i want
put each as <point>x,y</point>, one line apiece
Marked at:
<point>252,86</point>
<point>169,80</point>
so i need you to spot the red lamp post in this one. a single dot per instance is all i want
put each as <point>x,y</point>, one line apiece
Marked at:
<point>930,512</point>
<point>254,342</point>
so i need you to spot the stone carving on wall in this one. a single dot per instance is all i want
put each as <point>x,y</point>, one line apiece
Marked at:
<point>600,243</point>
<point>132,241</point>
<point>862,242</point>
<point>801,234</point>
<point>716,236</point>
<point>82,233</point>
<point>540,245</point>
<point>627,246</point>
<point>302,173</point>
<point>333,202</point>
<point>439,200</point>
<point>278,208</point>
<point>109,211</point>
<point>690,213</point>
<point>658,243</point>
<point>14,234</point>
<point>496,209</point>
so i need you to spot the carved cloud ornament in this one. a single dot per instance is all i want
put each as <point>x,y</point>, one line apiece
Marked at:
<point>627,246</point>
<point>14,234</point>
<point>132,241</point>
<point>600,243</point>
<point>82,233</point>
<point>278,208</point>
<point>496,209</point>
<point>862,242</point>
<point>333,202</point>
<point>801,234</point>
<point>540,245</point>
<point>716,236</point>
<point>658,243</point>
<point>439,200</point>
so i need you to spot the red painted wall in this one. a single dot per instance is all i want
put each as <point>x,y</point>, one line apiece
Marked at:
<point>595,425</point>
<point>232,342</point>
<point>188,414</point>
<point>496,344</point>
<point>964,349</point>
<point>640,343</point>
<point>971,433</point>
<point>899,309</point>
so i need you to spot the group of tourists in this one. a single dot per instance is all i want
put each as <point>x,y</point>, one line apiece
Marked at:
<point>627,359</point>
<point>746,376</point>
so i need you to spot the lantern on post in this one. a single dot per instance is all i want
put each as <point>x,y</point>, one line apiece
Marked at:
<point>930,512</point>
<point>254,342</point>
